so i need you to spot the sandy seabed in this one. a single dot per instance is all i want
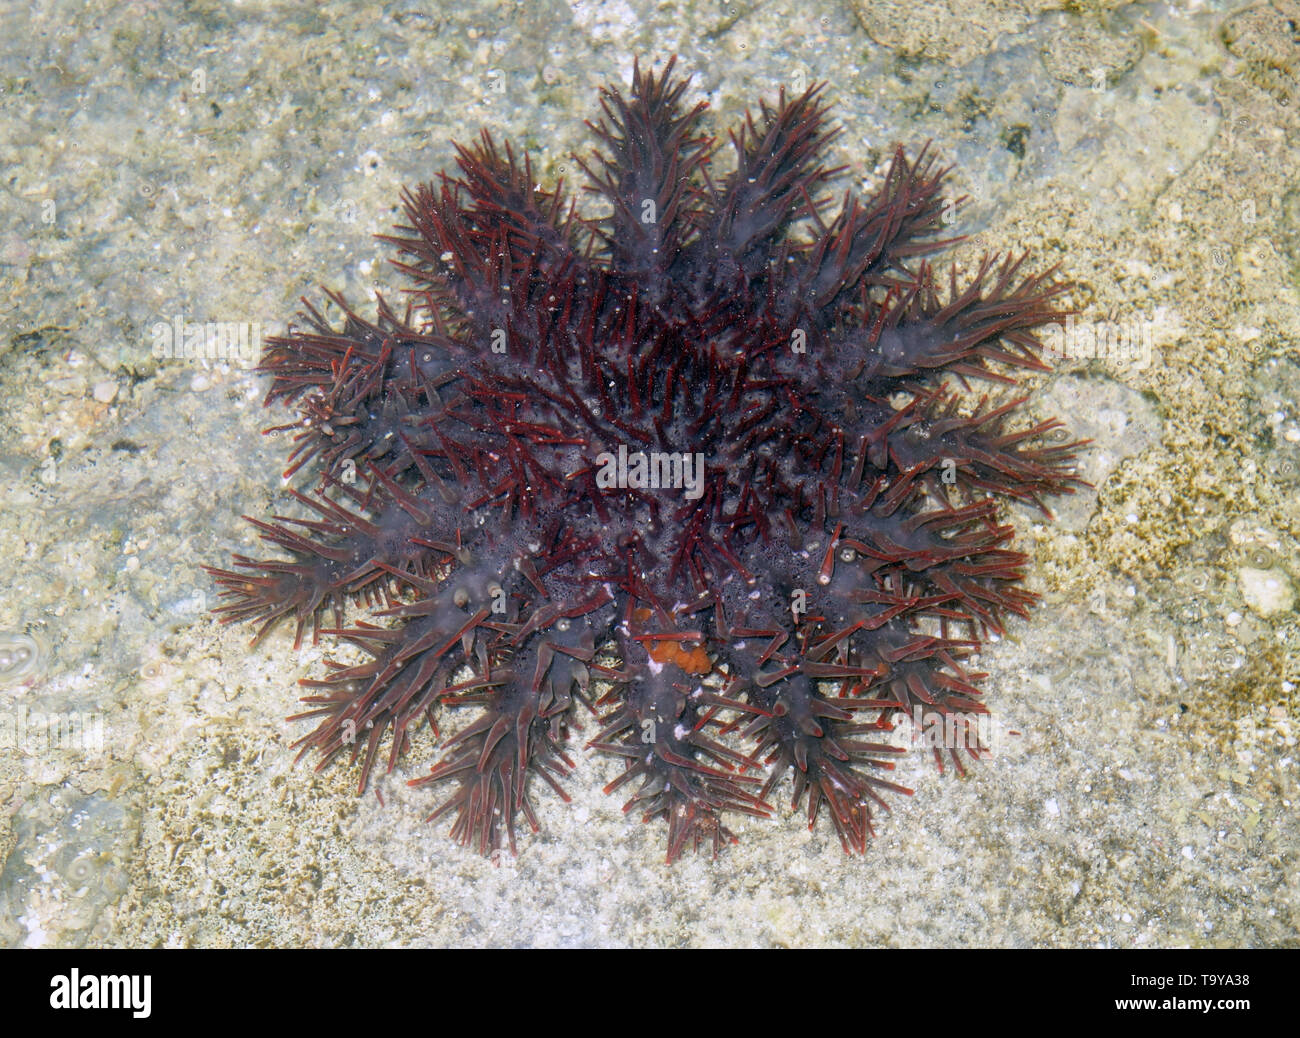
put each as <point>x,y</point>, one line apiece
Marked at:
<point>167,169</point>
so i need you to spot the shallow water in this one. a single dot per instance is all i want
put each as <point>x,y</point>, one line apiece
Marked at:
<point>214,165</point>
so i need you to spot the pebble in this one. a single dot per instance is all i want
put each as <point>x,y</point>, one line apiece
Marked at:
<point>21,656</point>
<point>105,392</point>
<point>1266,591</point>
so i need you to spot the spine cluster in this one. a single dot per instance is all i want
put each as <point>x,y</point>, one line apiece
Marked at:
<point>702,453</point>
